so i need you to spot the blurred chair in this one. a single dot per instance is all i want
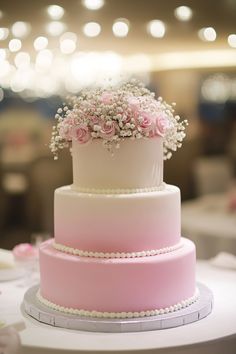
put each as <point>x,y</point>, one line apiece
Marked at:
<point>13,196</point>
<point>45,176</point>
<point>3,201</point>
<point>178,170</point>
<point>212,175</point>
<point>231,149</point>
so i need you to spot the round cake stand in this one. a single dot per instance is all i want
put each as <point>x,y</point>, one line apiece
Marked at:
<point>200,309</point>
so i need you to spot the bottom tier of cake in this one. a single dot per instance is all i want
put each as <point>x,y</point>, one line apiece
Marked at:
<point>117,287</point>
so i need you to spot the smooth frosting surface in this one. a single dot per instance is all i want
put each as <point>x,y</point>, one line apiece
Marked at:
<point>117,223</point>
<point>135,164</point>
<point>116,285</point>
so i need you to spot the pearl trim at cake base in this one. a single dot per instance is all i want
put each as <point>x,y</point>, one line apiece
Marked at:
<point>81,253</point>
<point>99,314</point>
<point>199,307</point>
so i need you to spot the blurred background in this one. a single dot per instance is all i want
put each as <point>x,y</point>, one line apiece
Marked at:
<point>185,51</point>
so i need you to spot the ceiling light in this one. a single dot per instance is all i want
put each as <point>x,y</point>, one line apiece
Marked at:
<point>3,54</point>
<point>14,45</point>
<point>4,32</point>
<point>156,28</point>
<point>56,12</point>
<point>46,86</point>
<point>4,68</point>
<point>207,34</point>
<point>22,60</point>
<point>44,60</point>
<point>92,29</point>
<point>67,46</point>
<point>20,29</point>
<point>68,42</point>
<point>55,28</point>
<point>216,88</point>
<point>120,27</point>
<point>84,67</point>
<point>18,82</point>
<point>69,35</point>
<point>232,40</point>
<point>138,63</point>
<point>93,4</point>
<point>183,13</point>
<point>40,43</point>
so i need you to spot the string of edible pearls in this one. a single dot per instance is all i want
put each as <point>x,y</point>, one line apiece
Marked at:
<point>81,253</point>
<point>99,314</point>
<point>118,191</point>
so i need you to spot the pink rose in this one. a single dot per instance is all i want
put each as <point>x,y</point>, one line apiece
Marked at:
<point>82,134</point>
<point>146,122</point>
<point>70,118</point>
<point>133,103</point>
<point>107,97</point>
<point>66,131</point>
<point>162,124</point>
<point>66,126</point>
<point>108,129</point>
<point>93,120</point>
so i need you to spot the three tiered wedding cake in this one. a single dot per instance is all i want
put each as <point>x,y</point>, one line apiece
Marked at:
<point>118,250</point>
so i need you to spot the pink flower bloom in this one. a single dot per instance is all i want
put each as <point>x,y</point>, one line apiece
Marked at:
<point>107,97</point>
<point>82,134</point>
<point>25,251</point>
<point>108,129</point>
<point>162,124</point>
<point>66,131</point>
<point>133,103</point>
<point>70,119</point>
<point>146,123</point>
<point>93,120</point>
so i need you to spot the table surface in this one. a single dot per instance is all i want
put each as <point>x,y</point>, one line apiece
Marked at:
<point>221,323</point>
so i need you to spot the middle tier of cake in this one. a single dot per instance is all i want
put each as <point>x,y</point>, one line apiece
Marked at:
<point>123,223</point>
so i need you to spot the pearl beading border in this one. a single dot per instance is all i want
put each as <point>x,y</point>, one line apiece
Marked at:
<point>161,187</point>
<point>100,314</point>
<point>81,253</point>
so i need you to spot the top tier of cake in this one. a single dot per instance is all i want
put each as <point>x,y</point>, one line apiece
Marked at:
<point>136,164</point>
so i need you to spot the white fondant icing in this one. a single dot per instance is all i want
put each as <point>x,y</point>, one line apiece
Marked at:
<point>137,164</point>
<point>86,313</point>
<point>82,253</point>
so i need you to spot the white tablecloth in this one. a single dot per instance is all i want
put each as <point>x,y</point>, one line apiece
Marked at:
<point>214,334</point>
<point>209,223</point>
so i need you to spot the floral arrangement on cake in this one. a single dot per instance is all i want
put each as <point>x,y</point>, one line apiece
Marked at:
<point>113,114</point>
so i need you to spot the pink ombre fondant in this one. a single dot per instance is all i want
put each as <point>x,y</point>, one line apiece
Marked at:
<point>116,285</point>
<point>117,223</point>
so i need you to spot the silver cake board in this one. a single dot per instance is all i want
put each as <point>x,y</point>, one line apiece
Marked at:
<point>198,310</point>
